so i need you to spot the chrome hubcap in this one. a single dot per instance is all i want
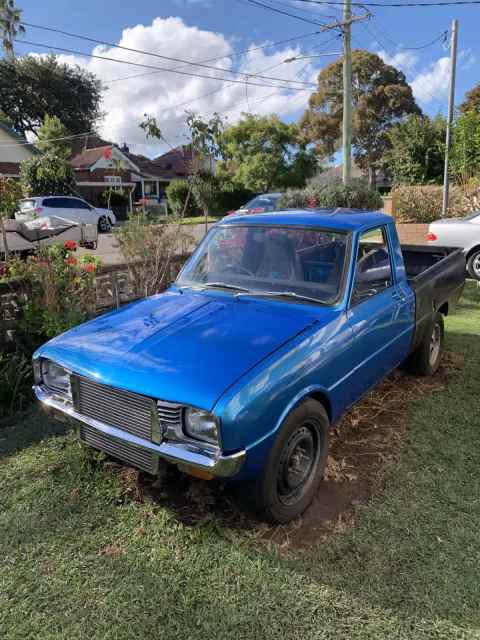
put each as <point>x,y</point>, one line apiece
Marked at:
<point>435,344</point>
<point>476,265</point>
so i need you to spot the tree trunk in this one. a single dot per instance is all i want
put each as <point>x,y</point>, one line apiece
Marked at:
<point>206,218</point>
<point>4,237</point>
<point>372,177</point>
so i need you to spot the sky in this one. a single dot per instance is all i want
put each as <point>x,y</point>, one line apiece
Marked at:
<point>201,30</point>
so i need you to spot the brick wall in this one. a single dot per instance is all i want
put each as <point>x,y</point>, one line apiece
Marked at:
<point>10,168</point>
<point>412,233</point>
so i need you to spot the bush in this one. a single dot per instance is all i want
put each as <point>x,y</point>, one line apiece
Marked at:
<point>230,199</point>
<point>15,383</point>
<point>423,204</point>
<point>334,194</point>
<point>177,193</point>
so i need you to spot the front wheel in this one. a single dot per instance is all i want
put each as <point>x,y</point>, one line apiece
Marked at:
<point>425,360</point>
<point>295,465</point>
<point>473,265</point>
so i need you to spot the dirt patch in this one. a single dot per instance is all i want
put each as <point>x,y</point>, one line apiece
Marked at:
<point>363,444</point>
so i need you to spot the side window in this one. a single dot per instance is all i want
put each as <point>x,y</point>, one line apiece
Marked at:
<point>53,203</point>
<point>373,271</point>
<point>80,204</point>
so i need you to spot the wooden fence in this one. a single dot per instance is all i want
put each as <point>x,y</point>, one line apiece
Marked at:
<point>114,287</point>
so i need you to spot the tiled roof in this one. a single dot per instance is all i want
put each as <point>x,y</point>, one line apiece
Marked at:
<point>87,157</point>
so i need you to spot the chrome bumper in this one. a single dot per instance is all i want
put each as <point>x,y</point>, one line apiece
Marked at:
<point>181,453</point>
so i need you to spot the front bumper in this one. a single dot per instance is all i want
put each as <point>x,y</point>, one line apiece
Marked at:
<point>180,453</point>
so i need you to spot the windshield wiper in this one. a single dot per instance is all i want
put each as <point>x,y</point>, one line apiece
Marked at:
<point>280,294</point>
<point>222,285</point>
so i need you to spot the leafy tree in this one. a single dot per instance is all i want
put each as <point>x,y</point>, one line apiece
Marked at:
<point>10,194</point>
<point>32,87</point>
<point>471,101</point>
<point>49,137</point>
<point>48,174</point>
<point>263,153</point>
<point>417,150</point>
<point>177,194</point>
<point>465,151</point>
<point>10,25</point>
<point>381,97</point>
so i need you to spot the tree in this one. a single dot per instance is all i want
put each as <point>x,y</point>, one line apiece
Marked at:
<point>471,101</point>
<point>10,194</point>
<point>465,151</point>
<point>417,150</point>
<point>48,174</point>
<point>49,137</point>
<point>263,153</point>
<point>32,87</point>
<point>10,25</point>
<point>381,97</point>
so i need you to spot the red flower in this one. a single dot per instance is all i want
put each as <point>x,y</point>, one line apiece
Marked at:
<point>71,261</point>
<point>70,245</point>
<point>89,267</point>
<point>107,154</point>
<point>311,202</point>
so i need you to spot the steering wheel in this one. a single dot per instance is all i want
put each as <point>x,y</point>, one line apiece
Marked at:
<point>238,268</point>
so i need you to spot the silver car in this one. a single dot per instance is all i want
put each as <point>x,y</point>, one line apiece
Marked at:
<point>459,232</point>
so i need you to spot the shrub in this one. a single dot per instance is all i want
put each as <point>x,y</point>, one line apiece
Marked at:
<point>230,199</point>
<point>48,174</point>
<point>356,195</point>
<point>148,249</point>
<point>177,193</point>
<point>15,383</point>
<point>423,204</point>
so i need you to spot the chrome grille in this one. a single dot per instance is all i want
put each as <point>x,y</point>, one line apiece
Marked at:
<point>124,451</point>
<point>170,419</point>
<point>125,410</point>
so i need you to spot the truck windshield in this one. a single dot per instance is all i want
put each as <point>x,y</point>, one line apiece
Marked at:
<point>265,259</point>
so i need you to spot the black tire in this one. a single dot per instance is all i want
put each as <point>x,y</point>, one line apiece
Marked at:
<point>104,225</point>
<point>473,264</point>
<point>294,468</point>
<point>425,360</point>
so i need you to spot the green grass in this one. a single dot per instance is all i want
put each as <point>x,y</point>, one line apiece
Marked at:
<point>82,559</point>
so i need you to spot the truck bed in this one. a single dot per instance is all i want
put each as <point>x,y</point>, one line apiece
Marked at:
<point>437,277</point>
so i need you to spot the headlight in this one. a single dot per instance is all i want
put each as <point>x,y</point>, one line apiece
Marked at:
<point>55,377</point>
<point>201,425</point>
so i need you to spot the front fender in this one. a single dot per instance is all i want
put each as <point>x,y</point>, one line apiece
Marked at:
<point>253,410</point>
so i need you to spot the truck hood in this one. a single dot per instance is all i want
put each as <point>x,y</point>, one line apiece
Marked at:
<point>182,347</point>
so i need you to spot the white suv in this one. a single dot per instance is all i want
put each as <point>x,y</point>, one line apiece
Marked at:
<point>68,207</point>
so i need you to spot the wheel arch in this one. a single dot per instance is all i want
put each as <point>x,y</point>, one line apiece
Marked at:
<point>315,393</point>
<point>472,250</point>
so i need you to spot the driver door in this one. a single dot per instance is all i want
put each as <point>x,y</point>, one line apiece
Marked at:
<point>380,313</point>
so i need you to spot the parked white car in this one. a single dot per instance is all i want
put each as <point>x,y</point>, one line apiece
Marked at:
<point>67,207</point>
<point>459,232</point>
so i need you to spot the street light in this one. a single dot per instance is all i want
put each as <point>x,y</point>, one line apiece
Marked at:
<point>320,55</point>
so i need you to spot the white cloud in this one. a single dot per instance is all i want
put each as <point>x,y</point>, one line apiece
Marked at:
<point>432,82</point>
<point>403,60</point>
<point>167,95</point>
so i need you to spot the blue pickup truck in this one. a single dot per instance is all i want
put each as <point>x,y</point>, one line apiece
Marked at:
<point>276,325</point>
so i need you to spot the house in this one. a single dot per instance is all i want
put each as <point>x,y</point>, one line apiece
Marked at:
<point>99,164</point>
<point>14,149</point>
<point>335,172</point>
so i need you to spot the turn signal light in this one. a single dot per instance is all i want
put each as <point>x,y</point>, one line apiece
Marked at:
<point>431,237</point>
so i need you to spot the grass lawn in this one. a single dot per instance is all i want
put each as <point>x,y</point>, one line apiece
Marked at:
<point>83,557</point>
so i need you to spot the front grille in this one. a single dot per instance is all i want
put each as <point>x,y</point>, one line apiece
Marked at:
<point>124,451</point>
<point>125,410</point>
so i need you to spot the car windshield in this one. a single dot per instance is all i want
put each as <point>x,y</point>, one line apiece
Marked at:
<point>473,217</point>
<point>289,262</point>
<point>267,203</point>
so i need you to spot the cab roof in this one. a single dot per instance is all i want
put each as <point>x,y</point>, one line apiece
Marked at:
<point>338,219</point>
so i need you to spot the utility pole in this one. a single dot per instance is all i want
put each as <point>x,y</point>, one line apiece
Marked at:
<point>451,100</point>
<point>347,92</point>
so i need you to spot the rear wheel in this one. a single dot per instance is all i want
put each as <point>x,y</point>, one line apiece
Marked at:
<point>104,225</point>
<point>425,360</point>
<point>473,265</point>
<point>295,466</point>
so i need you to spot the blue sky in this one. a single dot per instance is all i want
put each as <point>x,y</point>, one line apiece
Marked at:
<point>211,28</point>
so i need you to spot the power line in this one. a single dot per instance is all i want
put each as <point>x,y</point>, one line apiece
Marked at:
<point>448,3</point>
<point>231,55</point>
<point>147,53</point>
<point>146,66</point>
<point>281,12</point>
